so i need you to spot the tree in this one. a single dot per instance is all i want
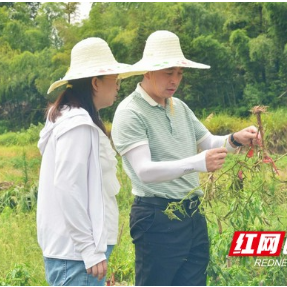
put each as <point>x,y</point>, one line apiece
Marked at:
<point>6,4</point>
<point>71,9</point>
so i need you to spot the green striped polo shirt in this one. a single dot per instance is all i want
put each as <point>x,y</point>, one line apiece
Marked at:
<point>171,135</point>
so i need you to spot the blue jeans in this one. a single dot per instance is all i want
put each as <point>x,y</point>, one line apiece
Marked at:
<point>61,272</point>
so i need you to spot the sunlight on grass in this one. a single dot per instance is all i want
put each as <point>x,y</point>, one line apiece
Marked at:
<point>19,250</point>
<point>18,241</point>
<point>13,160</point>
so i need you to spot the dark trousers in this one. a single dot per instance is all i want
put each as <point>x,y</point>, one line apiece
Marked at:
<point>168,252</point>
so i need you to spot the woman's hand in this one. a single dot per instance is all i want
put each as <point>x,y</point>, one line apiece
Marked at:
<point>99,270</point>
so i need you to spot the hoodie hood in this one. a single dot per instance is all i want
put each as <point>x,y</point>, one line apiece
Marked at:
<point>69,119</point>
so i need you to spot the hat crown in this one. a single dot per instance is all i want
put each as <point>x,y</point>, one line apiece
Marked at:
<point>163,45</point>
<point>90,54</point>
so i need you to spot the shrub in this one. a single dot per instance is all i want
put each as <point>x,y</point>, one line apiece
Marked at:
<point>18,276</point>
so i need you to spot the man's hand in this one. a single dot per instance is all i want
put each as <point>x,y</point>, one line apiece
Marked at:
<point>215,158</point>
<point>247,136</point>
<point>99,270</point>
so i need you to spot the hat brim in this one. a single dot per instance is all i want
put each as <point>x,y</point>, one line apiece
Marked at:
<point>143,66</point>
<point>102,71</point>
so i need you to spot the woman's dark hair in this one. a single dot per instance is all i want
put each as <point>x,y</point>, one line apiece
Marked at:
<point>79,95</point>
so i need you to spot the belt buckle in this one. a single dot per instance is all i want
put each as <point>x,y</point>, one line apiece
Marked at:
<point>192,204</point>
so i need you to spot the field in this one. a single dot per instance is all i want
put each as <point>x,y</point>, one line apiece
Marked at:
<point>257,203</point>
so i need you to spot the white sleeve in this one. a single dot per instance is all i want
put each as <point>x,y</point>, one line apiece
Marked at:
<point>71,182</point>
<point>211,141</point>
<point>149,171</point>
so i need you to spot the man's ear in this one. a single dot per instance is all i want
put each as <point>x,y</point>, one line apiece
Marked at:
<point>148,75</point>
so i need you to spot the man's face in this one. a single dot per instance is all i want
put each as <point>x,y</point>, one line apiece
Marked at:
<point>163,84</point>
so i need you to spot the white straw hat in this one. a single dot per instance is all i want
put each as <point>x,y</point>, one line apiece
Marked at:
<point>90,57</point>
<point>162,50</point>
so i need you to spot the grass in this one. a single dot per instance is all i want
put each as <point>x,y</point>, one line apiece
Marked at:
<point>19,246</point>
<point>21,258</point>
<point>14,158</point>
<point>121,264</point>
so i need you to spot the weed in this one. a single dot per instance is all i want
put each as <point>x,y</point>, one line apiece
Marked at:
<point>18,276</point>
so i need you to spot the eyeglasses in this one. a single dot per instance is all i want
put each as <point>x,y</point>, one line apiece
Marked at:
<point>118,81</point>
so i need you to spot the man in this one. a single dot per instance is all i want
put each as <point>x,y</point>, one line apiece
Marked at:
<point>158,138</point>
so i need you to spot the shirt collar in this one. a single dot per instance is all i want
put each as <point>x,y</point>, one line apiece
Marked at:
<point>148,98</point>
<point>145,95</point>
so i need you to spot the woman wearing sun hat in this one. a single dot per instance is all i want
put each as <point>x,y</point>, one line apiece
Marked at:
<point>158,137</point>
<point>77,212</point>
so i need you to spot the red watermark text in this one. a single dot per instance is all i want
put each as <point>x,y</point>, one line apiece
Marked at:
<point>258,243</point>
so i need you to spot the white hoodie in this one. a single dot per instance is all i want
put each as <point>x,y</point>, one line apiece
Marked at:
<point>77,212</point>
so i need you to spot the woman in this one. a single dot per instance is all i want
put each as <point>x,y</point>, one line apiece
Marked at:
<point>77,213</point>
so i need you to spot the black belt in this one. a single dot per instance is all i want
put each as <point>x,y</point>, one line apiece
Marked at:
<point>163,202</point>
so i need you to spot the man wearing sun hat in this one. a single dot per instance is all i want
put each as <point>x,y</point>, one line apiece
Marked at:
<point>158,137</point>
<point>77,212</point>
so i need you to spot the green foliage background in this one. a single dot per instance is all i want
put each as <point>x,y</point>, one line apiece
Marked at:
<point>244,42</point>
<point>246,45</point>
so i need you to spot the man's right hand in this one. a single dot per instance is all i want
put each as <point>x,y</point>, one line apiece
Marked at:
<point>215,158</point>
<point>99,270</point>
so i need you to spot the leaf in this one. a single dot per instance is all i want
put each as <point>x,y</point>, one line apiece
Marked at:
<point>251,151</point>
<point>268,159</point>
